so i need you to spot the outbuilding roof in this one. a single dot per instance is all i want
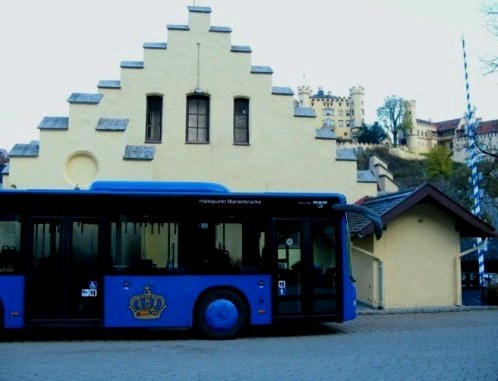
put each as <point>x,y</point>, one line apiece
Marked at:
<point>390,206</point>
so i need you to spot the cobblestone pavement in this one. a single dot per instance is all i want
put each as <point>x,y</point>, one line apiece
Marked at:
<point>413,346</point>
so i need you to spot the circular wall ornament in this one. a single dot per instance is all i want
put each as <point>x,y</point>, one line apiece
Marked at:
<point>81,168</point>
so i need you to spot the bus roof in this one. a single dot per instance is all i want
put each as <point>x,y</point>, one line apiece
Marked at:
<point>158,187</point>
<point>169,188</point>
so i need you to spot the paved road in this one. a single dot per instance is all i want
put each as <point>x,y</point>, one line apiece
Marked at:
<point>423,346</point>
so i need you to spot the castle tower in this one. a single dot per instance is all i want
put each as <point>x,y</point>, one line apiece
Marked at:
<point>304,94</point>
<point>411,136</point>
<point>357,95</point>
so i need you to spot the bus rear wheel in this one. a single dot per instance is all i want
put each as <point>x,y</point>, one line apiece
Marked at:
<point>222,315</point>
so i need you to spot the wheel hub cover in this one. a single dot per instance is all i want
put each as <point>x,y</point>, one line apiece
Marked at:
<point>222,315</point>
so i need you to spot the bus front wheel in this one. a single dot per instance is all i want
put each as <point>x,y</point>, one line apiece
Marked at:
<point>222,314</point>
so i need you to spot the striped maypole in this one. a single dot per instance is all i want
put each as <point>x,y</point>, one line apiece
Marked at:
<point>472,164</point>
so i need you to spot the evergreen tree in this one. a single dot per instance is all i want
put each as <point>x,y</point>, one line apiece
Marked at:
<point>373,134</point>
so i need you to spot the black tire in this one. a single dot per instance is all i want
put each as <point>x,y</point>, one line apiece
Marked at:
<point>221,314</point>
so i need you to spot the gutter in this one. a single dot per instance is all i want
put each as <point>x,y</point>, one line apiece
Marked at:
<point>381,273</point>
<point>458,272</point>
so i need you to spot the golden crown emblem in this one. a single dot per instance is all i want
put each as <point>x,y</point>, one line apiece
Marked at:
<point>147,305</point>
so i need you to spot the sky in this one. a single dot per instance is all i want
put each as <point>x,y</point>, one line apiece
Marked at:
<point>407,48</point>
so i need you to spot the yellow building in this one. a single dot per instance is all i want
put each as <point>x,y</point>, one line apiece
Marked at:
<point>196,109</point>
<point>417,262</point>
<point>341,114</point>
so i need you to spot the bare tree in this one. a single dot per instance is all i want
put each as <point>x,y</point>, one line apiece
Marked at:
<point>391,115</point>
<point>4,156</point>
<point>490,10</point>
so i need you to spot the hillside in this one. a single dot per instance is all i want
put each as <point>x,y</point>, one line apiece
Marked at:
<point>409,174</point>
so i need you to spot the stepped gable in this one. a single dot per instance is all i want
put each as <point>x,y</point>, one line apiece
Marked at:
<point>62,123</point>
<point>109,134</point>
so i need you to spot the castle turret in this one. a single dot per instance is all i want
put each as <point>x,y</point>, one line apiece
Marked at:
<point>304,94</point>
<point>357,95</point>
<point>411,137</point>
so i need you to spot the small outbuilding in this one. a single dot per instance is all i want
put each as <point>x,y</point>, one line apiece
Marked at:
<point>416,263</point>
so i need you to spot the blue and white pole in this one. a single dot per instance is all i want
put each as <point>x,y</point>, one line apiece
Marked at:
<point>472,164</point>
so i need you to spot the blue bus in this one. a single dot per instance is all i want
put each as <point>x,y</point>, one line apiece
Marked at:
<point>173,255</point>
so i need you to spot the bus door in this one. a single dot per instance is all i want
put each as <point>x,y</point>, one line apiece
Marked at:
<point>306,262</point>
<point>65,283</point>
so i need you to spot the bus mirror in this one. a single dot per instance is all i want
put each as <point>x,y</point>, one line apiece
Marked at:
<point>366,212</point>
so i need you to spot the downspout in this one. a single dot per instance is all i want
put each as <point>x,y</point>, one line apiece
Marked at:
<point>381,274</point>
<point>458,272</point>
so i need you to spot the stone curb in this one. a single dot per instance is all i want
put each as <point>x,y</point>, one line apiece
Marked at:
<point>388,311</point>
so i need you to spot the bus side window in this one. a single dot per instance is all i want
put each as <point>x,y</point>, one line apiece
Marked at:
<point>9,259</point>
<point>139,245</point>
<point>10,256</point>
<point>220,247</point>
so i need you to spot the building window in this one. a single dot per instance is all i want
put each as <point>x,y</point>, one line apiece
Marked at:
<point>340,123</point>
<point>198,119</point>
<point>328,112</point>
<point>340,112</point>
<point>241,121</point>
<point>153,127</point>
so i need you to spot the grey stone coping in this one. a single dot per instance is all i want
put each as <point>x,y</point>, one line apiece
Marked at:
<point>365,176</point>
<point>220,29</point>
<point>112,124</point>
<point>132,64</point>
<point>109,84</point>
<point>54,123</point>
<point>84,98</point>
<point>196,9</point>
<point>155,45</point>
<point>261,70</point>
<point>139,152</point>
<point>276,90</point>
<point>304,112</point>
<point>325,133</point>
<point>178,27</point>
<point>346,154</point>
<point>25,150</point>
<point>240,49</point>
